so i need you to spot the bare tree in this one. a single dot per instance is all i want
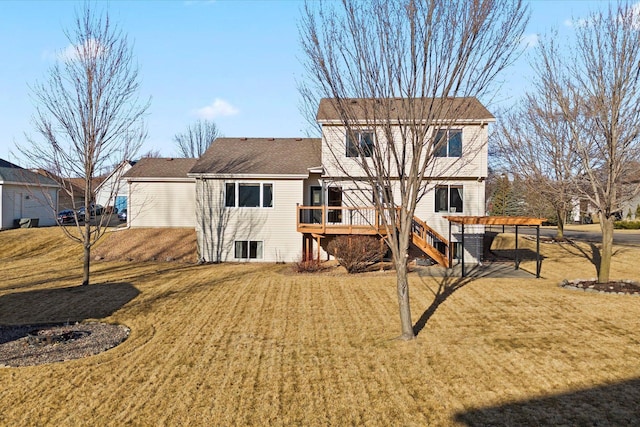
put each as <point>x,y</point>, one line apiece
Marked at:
<point>193,142</point>
<point>153,154</point>
<point>533,141</point>
<point>410,58</point>
<point>88,115</point>
<point>596,90</point>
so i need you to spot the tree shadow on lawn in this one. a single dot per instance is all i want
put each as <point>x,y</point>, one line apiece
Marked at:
<point>611,404</point>
<point>446,287</point>
<point>594,257</point>
<point>70,304</point>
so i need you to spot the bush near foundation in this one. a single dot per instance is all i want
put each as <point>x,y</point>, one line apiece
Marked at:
<point>308,266</point>
<point>356,253</point>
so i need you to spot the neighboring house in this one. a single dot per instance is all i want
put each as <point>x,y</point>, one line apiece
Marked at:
<point>247,193</point>
<point>71,194</point>
<point>282,199</point>
<point>631,207</point>
<point>114,189</point>
<point>160,193</point>
<point>26,194</point>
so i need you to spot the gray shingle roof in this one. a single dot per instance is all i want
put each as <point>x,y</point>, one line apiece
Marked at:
<point>160,168</point>
<point>260,156</point>
<point>468,108</point>
<point>14,173</point>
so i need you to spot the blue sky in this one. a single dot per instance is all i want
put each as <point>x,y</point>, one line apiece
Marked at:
<point>235,62</point>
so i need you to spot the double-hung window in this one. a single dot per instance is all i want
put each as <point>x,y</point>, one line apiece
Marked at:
<point>248,195</point>
<point>448,143</point>
<point>360,144</point>
<point>248,249</point>
<point>449,198</point>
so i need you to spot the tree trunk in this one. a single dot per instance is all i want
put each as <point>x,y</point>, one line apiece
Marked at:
<point>87,248</point>
<point>560,229</point>
<point>403,300</point>
<point>606,225</point>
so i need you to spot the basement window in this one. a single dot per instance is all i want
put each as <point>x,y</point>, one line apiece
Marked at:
<point>248,249</point>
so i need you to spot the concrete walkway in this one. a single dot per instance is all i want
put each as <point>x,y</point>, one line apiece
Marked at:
<point>500,269</point>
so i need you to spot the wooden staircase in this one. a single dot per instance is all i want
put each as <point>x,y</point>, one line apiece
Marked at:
<point>430,242</point>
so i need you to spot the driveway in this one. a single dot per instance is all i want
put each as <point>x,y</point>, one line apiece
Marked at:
<point>584,233</point>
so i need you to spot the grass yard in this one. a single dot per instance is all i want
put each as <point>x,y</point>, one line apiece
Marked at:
<point>240,344</point>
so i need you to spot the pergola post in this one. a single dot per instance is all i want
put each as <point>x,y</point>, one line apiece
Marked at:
<point>538,262</point>
<point>450,254</point>
<point>462,252</point>
<point>516,251</point>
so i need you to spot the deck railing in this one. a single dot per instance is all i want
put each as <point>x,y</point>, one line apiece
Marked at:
<point>335,220</point>
<point>340,220</point>
<point>424,235</point>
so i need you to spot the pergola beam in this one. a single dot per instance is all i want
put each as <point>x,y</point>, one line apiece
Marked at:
<point>516,221</point>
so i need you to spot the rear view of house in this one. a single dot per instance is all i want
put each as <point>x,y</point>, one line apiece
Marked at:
<point>282,199</point>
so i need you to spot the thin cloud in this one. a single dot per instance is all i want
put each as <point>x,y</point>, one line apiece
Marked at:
<point>218,108</point>
<point>530,41</point>
<point>73,52</point>
<point>577,23</point>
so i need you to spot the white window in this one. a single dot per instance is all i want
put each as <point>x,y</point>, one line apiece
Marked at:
<point>448,143</point>
<point>248,249</point>
<point>248,195</point>
<point>449,198</point>
<point>360,144</point>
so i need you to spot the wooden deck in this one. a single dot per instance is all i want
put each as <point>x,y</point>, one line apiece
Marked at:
<point>327,220</point>
<point>323,221</point>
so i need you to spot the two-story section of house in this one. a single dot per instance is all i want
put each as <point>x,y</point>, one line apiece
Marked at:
<point>282,199</point>
<point>453,182</point>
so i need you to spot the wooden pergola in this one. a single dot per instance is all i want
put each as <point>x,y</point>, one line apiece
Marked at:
<point>515,221</point>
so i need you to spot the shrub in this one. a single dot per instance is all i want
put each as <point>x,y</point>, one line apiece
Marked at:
<point>356,253</point>
<point>627,225</point>
<point>308,266</point>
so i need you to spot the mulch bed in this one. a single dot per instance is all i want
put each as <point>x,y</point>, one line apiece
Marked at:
<point>620,287</point>
<point>28,345</point>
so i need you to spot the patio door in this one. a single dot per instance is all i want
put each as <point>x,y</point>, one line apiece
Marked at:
<point>334,198</point>
<point>316,200</point>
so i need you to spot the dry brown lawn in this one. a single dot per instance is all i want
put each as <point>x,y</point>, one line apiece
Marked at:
<point>240,344</point>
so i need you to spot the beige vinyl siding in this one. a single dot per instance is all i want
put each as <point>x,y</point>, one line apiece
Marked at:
<point>473,204</point>
<point>161,204</point>
<point>473,162</point>
<point>219,227</point>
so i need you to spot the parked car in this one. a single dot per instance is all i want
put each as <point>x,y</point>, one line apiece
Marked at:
<point>122,215</point>
<point>93,210</point>
<point>67,216</point>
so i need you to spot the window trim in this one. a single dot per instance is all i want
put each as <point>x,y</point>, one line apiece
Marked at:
<point>446,148</point>
<point>449,208</point>
<point>234,201</point>
<point>352,151</point>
